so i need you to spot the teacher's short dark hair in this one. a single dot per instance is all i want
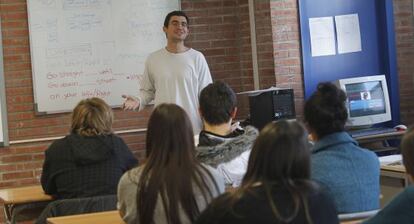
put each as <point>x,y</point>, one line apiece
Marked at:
<point>175,13</point>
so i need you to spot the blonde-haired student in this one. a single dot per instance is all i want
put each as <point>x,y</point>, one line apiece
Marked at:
<point>91,159</point>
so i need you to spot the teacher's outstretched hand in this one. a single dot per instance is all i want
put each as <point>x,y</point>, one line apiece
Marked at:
<point>130,103</point>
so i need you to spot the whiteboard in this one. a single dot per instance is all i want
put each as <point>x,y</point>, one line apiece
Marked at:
<point>4,138</point>
<point>91,48</point>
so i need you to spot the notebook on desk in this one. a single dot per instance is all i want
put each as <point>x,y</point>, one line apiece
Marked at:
<point>390,160</point>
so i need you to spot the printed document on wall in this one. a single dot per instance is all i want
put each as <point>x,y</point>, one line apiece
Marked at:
<point>348,33</point>
<point>322,36</point>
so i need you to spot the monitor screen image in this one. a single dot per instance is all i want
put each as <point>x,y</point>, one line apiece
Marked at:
<point>365,98</point>
<point>368,102</point>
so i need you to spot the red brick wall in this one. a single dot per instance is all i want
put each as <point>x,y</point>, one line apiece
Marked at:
<point>264,42</point>
<point>286,48</point>
<point>220,29</point>
<point>404,35</point>
<point>214,30</point>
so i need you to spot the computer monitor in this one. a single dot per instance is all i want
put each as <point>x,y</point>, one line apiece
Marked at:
<point>368,101</point>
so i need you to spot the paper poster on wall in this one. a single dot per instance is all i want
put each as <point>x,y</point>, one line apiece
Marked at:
<point>322,36</point>
<point>348,33</point>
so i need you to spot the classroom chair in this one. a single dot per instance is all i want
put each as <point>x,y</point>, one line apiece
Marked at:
<point>77,206</point>
<point>347,217</point>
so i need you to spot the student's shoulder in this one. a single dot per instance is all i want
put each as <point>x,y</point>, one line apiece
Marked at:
<point>157,54</point>
<point>58,145</point>
<point>318,194</point>
<point>369,155</point>
<point>219,208</point>
<point>193,53</point>
<point>251,131</point>
<point>132,176</point>
<point>218,177</point>
<point>211,170</point>
<point>117,139</point>
<point>409,193</point>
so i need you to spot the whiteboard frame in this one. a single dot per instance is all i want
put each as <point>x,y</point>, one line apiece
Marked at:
<point>3,105</point>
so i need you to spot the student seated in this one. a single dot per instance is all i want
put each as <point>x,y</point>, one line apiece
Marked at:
<point>349,172</point>
<point>401,209</point>
<point>220,146</point>
<point>172,186</point>
<point>91,159</point>
<point>277,186</point>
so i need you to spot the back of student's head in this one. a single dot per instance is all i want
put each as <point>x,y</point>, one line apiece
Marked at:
<point>280,157</point>
<point>217,103</point>
<point>169,135</point>
<point>325,111</point>
<point>92,117</point>
<point>171,169</point>
<point>279,154</point>
<point>407,150</point>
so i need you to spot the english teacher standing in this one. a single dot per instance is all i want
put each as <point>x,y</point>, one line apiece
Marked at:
<point>174,74</point>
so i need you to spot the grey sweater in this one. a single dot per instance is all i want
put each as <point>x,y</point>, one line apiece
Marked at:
<point>127,197</point>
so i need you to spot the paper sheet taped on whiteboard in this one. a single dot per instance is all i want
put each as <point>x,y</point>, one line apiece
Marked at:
<point>97,48</point>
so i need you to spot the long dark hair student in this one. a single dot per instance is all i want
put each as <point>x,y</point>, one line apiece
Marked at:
<point>171,170</point>
<point>276,187</point>
<point>280,156</point>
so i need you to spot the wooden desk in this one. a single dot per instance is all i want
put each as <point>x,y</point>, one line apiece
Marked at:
<point>110,217</point>
<point>393,181</point>
<point>14,197</point>
<point>398,169</point>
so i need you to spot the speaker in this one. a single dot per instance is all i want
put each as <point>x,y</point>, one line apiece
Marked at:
<point>271,105</point>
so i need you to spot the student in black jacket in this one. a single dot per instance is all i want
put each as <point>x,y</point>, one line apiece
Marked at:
<point>91,159</point>
<point>277,186</point>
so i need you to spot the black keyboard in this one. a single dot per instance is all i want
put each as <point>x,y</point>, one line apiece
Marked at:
<point>370,131</point>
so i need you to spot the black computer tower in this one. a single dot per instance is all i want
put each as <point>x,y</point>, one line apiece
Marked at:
<point>267,106</point>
